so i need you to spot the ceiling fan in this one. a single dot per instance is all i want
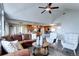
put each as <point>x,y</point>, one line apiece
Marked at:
<point>48,8</point>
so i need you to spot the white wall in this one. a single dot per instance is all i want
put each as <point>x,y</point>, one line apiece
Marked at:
<point>69,22</point>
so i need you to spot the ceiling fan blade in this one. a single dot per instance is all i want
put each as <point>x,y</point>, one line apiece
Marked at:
<point>50,12</point>
<point>49,4</point>
<point>43,11</point>
<point>54,7</point>
<point>42,7</point>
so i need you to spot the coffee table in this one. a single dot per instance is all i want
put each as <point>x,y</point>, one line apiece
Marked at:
<point>40,50</point>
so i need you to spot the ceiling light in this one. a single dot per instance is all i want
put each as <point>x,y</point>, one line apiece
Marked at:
<point>47,9</point>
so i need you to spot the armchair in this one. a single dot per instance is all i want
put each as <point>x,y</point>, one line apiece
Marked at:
<point>70,41</point>
<point>52,38</point>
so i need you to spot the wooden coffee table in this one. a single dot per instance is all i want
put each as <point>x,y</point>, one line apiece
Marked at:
<point>40,50</point>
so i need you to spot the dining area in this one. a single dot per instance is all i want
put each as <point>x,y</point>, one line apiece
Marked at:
<point>43,42</point>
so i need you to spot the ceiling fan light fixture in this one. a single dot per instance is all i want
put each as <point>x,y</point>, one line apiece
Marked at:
<point>47,9</point>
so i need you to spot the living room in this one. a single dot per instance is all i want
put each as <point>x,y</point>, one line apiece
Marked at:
<point>26,23</point>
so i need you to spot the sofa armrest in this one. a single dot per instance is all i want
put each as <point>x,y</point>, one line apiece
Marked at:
<point>23,52</point>
<point>26,41</point>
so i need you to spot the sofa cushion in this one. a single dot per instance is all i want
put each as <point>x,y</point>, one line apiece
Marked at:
<point>17,37</point>
<point>27,36</point>
<point>23,52</point>
<point>16,44</point>
<point>8,38</point>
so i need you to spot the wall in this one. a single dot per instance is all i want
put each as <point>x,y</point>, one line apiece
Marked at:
<point>69,22</point>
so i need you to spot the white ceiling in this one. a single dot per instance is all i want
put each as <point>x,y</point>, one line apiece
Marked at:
<point>30,11</point>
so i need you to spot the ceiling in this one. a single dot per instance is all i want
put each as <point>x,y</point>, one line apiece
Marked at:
<point>31,13</point>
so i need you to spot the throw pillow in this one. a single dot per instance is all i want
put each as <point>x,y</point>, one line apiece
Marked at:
<point>11,46</point>
<point>8,46</point>
<point>16,44</point>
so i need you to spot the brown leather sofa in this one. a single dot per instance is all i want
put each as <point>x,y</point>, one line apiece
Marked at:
<point>26,42</point>
<point>17,37</point>
<point>27,37</point>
